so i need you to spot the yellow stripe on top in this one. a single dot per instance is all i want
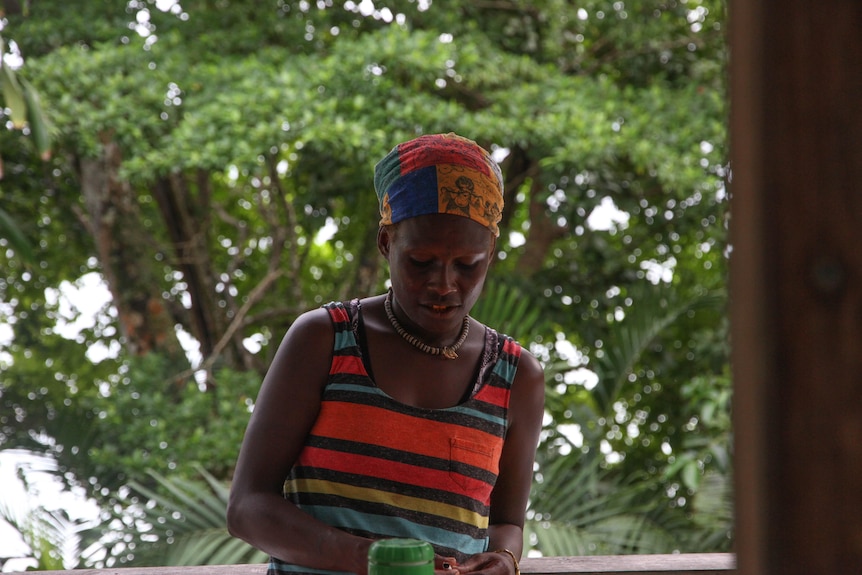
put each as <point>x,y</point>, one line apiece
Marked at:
<point>398,500</point>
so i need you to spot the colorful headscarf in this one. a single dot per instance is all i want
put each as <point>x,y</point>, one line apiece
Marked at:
<point>439,174</point>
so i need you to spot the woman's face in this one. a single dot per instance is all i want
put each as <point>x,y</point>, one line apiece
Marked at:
<point>437,264</point>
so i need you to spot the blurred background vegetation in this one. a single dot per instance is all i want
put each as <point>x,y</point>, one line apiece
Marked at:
<point>210,163</point>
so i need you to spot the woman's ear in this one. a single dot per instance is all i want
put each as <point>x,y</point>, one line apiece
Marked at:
<point>384,239</point>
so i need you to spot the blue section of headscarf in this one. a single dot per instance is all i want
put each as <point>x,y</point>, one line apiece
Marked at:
<point>414,194</point>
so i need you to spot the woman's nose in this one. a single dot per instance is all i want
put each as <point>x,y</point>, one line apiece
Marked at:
<point>443,281</point>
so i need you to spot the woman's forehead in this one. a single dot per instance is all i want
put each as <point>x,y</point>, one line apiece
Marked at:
<point>442,230</point>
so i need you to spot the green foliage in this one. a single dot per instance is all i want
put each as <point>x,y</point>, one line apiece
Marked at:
<point>649,468</point>
<point>505,307</point>
<point>182,522</point>
<point>156,420</point>
<point>168,426</point>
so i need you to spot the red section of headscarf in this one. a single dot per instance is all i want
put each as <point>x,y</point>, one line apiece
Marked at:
<point>436,149</point>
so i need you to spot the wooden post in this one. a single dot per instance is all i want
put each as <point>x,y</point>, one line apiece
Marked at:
<point>796,284</point>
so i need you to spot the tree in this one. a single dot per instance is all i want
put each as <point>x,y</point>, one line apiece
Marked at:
<point>213,164</point>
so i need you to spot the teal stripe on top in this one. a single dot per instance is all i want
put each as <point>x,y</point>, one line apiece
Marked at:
<point>505,370</point>
<point>344,340</point>
<point>457,409</point>
<point>396,525</point>
<point>279,567</point>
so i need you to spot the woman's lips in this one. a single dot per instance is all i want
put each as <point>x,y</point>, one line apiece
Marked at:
<point>442,310</point>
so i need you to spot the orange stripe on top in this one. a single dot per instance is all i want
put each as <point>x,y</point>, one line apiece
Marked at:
<point>363,423</point>
<point>347,364</point>
<point>511,347</point>
<point>338,314</point>
<point>494,395</point>
<point>443,480</point>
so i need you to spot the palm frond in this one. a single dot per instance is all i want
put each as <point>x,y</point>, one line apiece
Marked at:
<point>558,539</point>
<point>657,308</point>
<point>506,309</point>
<point>581,507</point>
<point>713,512</point>
<point>176,522</point>
<point>50,535</point>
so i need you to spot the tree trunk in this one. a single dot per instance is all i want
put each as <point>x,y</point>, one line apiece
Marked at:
<point>127,257</point>
<point>543,230</point>
<point>187,221</point>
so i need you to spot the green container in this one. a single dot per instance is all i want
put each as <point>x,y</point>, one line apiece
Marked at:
<point>400,557</point>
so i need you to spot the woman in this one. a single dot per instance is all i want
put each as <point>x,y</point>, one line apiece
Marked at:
<point>399,415</point>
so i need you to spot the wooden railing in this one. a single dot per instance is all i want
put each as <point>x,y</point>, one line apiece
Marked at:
<point>683,564</point>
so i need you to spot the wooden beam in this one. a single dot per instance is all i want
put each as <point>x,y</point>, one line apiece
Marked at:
<point>796,284</point>
<point>683,564</point>
<point>691,564</point>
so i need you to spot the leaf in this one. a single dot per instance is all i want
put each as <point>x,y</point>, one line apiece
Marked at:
<point>39,126</point>
<point>691,475</point>
<point>13,95</point>
<point>10,230</point>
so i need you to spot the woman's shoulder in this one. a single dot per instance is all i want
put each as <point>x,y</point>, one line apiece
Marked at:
<point>528,366</point>
<point>322,322</point>
<point>317,318</point>
<point>509,345</point>
<point>311,331</point>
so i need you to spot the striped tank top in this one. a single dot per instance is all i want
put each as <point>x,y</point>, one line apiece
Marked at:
<point>377,468</point>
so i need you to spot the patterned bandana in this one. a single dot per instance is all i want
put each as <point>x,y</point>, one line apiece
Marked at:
<point>439,174</point>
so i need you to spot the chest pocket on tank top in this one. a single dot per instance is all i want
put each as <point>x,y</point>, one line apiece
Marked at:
<point>473,466</point>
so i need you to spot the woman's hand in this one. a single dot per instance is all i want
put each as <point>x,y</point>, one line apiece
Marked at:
<point>445,565</point>
<point>490,563</point>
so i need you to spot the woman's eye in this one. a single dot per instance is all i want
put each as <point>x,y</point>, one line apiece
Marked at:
<point>420,263</point>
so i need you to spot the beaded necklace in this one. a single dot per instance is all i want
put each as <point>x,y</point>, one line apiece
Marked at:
<point>447,351</point>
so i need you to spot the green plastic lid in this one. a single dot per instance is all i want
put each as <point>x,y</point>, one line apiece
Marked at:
<point>402,552</point>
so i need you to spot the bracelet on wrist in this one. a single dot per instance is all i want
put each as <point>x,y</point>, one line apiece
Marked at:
<point>514,559</point>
